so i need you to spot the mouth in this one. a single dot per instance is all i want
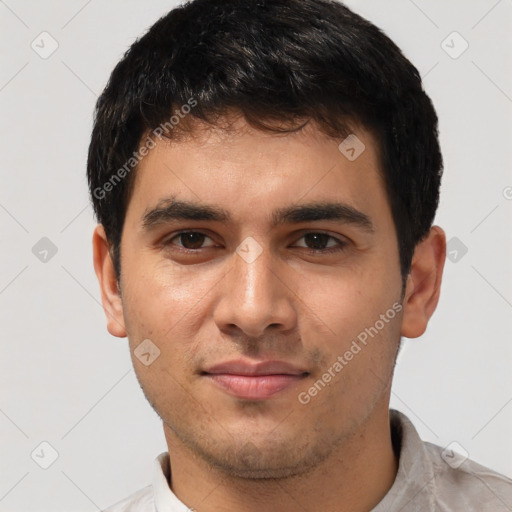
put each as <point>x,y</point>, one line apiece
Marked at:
<point>254,381</point>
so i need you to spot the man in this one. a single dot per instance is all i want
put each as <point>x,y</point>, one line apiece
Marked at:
<point>266,174</point>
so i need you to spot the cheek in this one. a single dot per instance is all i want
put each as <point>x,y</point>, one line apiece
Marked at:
<point>349,300</point>
<point>169,306</point>
<point>358,366</point>
<point>356,329</point>
<point>159,297</point>
<point>164,306</point>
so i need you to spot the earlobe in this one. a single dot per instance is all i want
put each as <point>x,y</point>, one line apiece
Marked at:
<point>110,296</point>
<point>424,283</point>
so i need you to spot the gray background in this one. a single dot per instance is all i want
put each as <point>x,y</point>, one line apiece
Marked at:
<point>66,381</point>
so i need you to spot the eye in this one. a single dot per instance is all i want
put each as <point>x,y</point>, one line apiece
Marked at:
<point>321,242</point>
<point>314,242</point>
<point>191,240</point>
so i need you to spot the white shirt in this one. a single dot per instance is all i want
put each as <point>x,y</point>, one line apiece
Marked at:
<point>429,479</point>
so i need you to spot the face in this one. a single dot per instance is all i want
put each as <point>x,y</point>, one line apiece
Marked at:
<point>265,269</point>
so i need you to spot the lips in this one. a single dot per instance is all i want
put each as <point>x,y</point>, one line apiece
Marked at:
<point>254,381</point>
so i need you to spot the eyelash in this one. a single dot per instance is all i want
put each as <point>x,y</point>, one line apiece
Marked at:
<point>340,247</point>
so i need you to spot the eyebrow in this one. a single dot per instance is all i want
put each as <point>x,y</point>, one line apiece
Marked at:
<point>172,209</point>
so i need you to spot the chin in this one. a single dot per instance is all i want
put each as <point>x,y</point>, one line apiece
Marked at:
<point>274,459</point>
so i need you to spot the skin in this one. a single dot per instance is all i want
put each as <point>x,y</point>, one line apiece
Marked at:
<point>210,305</point>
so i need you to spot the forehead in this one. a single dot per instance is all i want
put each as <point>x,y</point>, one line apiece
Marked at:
<point>244,169</point>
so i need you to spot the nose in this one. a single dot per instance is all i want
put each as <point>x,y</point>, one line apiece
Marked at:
<point>255,296</point>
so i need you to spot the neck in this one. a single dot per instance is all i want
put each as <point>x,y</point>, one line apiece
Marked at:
<point>354,478</point>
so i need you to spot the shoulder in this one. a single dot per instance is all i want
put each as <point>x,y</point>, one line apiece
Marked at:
<point>140,501</point>
<point>463,484</point>
<point>435,479</point>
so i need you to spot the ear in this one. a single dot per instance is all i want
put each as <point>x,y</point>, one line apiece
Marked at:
<point>110,294</point>
<point>424,283</point>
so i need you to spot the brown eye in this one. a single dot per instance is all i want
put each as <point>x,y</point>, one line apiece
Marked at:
<point>321,242</point>
<point>316,240</point>
<point>191,240</point>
